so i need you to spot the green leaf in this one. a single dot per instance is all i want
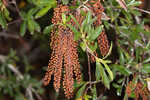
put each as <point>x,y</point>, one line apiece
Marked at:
<point>83,25</point>
<point>77,34</point>
<point>97,72</point>
<point>93,47</point>
<point>3,22</point>
<point>109,71</point>
<point>19,97</point>
<point>83,46</point>
<point>147,60</point>
<point>88,29</point>
<point>94,93</point>
<point>65,2</point>
<point>37,26</point>
<point>75,20</point>
<point>6,14</point>
<point>121,57</point>
<point>47,29</point>
<point>105,79</point>
<point>44,2</point>
<point>122,69</point>
<point>23,15</point>
<point>64,19</point>
<point>146,68</point>
<point>97,32</point>
<point>42,12</point>
<point>88,17</point>
<point>116,85</point>
<point>134,3</point>
<point>77,85</point>
<point>23,28</point>
<point>80,92</point>
<point>87,97</point>
<point>31,26</point>
<point>31,12</point>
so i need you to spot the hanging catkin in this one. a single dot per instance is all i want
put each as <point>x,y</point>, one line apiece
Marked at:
<point>97,9</point>
<point>64,55</point>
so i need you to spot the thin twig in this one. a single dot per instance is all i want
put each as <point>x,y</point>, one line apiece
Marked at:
<point>5,34</point>
<point>16,71</point>
<point>89,73</point>
<point>93,82</point>
<point>142,10</point>
<point>89,67</point>
<point>15,21</point>
<point>90,82</point>
<point>82,4</point>
<point>37,95</point>
<point>29,93</point>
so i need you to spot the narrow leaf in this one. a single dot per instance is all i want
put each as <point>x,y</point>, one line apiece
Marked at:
<point>122,69</point>
<point>87,97</point>
<point>77,34</point>
<point>109,71</point>
<point>88,17</point>
<point>23,28</point>
<point>42,12</point>
<point>97,32</point>
<point>83,46</point>
<point>7,14</point>
<point>97,72</point>
<point>47,29</point>
<point>65,2</point>
<point>80,92</point>
<point>37,26</point>
<point>3,22</point>
<point>31,12</point>
<point>146,68</point>
<point>31,26</point>
<point>64,19</point>
<point>93,47</point>
<point>75,20</point>
<point>104,77</point>
<point>147,60</point>
<point>94,93</point>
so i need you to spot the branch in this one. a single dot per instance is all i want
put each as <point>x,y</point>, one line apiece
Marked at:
<point>89,67</point>
<point>142,10</point>
<point>5,34</point>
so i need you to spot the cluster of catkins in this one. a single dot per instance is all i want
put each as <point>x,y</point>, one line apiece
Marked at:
<point>138,89</point>
<point>64,55</point>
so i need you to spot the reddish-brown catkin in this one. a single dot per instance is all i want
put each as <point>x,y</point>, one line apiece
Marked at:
<point>75,62</point>
<point>103,43</point>
<point>138,90</point>
<point>64,54</point>
<point>68,76</point>
<point>97,10</point>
